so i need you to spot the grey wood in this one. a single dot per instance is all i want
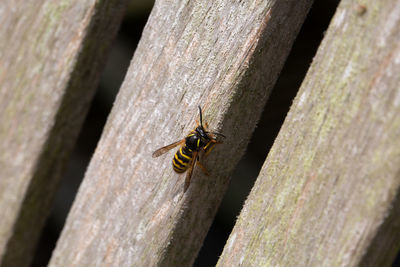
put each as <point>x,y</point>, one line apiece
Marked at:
<point>223,55</point>
<point>51,53</point>
<point>328,192</point>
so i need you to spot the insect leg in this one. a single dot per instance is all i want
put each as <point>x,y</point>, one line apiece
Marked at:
<point>190,171</point>
<point>204,169</point>
<point>210,146</point>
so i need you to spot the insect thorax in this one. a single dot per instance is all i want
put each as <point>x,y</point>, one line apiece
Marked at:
<point>192,142</point>
<point>196,140</point>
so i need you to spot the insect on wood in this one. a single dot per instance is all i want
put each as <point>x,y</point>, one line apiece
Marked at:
<point>198,143</point>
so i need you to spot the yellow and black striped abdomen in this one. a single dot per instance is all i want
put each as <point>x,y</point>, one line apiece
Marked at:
<point>182,159</point>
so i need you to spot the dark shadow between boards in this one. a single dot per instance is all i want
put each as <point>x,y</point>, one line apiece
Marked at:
<point>116,67</point>
<point>286,87</point>
<point>248,168</point>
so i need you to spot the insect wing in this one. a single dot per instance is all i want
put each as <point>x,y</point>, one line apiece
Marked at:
<point>167,148</point>
<point>190,171</point>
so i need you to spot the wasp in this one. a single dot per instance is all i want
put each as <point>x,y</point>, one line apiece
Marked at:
<point>199,141</point>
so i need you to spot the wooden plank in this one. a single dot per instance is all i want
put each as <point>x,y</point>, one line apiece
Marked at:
<point>328,193</point>
<point>51,54</point>
<point>223,55</point>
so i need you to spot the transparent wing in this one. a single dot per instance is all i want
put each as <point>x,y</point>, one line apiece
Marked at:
<point>190,170</point>
<point>167,148</point>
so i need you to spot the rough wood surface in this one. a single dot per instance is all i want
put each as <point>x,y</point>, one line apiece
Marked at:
<point>50,58</point>
<point>328,193</point>
<point>222,55</point>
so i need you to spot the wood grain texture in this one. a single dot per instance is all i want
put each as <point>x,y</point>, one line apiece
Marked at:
<point>51,54</point>
<point>328,193</point>
<point>222,55</point>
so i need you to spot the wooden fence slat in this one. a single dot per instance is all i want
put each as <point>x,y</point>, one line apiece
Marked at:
<point>328,193</point>
<point>51,53</point>
<point>225,56</point>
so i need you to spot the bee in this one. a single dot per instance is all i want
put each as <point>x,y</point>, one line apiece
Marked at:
<point>199,141</point>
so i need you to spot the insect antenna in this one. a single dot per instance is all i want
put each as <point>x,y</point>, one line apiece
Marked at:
<point>220,134</point>
<point>201,117</point>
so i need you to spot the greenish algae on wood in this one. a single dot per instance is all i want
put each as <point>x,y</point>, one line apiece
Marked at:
<point>223,55</point>
<point>328,193</point>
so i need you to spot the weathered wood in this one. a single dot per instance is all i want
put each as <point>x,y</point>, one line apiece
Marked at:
<point>51,54</point>
<point>222,55</point>
<point>328,193</point>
